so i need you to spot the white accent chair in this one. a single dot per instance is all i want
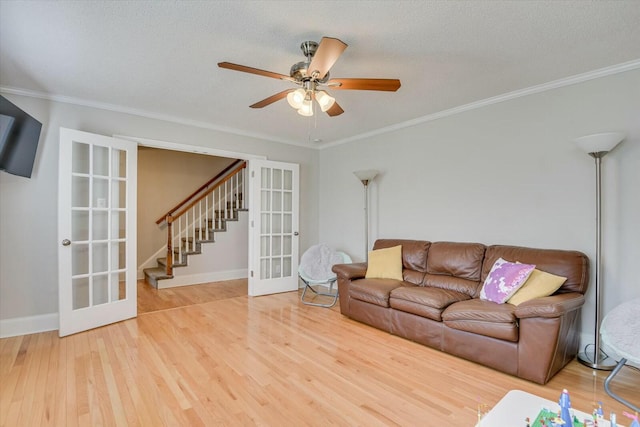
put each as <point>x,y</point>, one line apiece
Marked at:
<point>315,270</point>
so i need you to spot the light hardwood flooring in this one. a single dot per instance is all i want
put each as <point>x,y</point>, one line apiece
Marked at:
<point>267,361</point>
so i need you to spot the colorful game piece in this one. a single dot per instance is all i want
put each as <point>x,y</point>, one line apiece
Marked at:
<point>634,423</point>
<point>565,405</point>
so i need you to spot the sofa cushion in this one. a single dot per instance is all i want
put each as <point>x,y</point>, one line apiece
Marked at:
<point>456,259</point>
<point>374,291</point>
<point>539,284</point>
<point>573,265</point>
<point>484,318</point>
<point>414,252</point>
<point>385,263</point>
<point>424,301</point>
<point>504,279</point>
<point>468,287</point>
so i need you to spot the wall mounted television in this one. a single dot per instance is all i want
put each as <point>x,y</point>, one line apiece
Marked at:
<point>19,136</point>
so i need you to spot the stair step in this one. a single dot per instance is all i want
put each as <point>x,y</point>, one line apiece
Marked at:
<point>152,275</point>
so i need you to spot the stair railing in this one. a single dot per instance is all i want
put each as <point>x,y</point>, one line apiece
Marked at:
<point>193,220</point>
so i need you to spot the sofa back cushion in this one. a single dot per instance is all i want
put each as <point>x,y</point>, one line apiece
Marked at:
<point>455,266</point>
<point>463,260</point>
<point>414,257</point>
<point>573,265</point>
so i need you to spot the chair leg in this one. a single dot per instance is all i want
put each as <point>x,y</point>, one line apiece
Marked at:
<point>607,388</point>
<point>333,295</point>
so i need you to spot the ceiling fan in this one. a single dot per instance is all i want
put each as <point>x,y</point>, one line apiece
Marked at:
<point>312,75</point>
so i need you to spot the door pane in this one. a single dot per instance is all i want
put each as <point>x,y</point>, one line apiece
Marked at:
<point>264,269</point>
<point>100,226</point>
<point>118,225</point>
<point>277,179</point>
<point>286,266</point>
<point>80,192</point>
<point>100,161</point>
<point>119,163</point>
<point>265,246</point>
<point>288,180</point>
<point>99,257</point>
<point>266,178</point>
<point>80,158</point>
<point>118,194</point>
<point>100,289</point>
<point>118,287</point>
<point>80,293</point>
<point>79,226</point>
<point>100,192</point>
<point>79,258</point>
<point>276,267</point>
<point>277,201</point>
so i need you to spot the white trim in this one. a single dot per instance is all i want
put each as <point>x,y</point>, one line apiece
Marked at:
<point>28,325</point>
<point>567,81</point>
<point>143,113</point>
<point>197,279</point>
<point>198,149</point>
<point>152,261</point>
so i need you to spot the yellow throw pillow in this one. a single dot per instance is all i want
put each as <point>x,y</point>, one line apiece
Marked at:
<point>539,284</point>
<point>385,263</point>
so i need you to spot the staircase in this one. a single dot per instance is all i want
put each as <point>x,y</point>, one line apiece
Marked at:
<point>193,223</point>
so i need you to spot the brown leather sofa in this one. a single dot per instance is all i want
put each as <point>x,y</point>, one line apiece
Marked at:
<point>438,305</point>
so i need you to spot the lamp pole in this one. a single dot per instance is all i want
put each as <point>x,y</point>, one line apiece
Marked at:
<point>597,146</point>
<point>365,177</point>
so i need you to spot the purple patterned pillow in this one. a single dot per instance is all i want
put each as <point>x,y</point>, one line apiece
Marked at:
<point>504,279</point>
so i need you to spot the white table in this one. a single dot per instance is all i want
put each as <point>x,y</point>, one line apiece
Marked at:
<point>517,405</point>
<point>620,331</point>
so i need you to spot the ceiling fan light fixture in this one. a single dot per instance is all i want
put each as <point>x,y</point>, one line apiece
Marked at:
<point>325,100</point>
<point>306,109</point>
<point>296,98</point>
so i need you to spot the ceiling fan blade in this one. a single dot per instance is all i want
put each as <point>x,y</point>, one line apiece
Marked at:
<point>273,98</point>
<point>251,70</point>
<point>329,50</point>
<point>390,85</point>
<point>335,110</point>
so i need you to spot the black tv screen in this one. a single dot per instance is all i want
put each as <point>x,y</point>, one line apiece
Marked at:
<point>19,136</point>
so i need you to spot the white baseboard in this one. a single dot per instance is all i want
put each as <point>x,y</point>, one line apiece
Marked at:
<point>28,325</point>
<point>195,279</point>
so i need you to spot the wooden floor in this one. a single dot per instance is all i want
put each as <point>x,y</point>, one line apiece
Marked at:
<point>267,361</point>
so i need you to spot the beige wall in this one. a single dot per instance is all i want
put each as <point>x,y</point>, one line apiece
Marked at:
<point>165,178</point>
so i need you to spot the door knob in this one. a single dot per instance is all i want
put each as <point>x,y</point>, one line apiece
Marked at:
<point>295,233</point>
<point>66,242</point>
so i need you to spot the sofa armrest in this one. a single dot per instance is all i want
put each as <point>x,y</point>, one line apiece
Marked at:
<point>552,306</point>
<point>350,271</point>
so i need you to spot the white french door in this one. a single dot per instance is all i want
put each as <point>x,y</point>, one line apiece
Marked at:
<point>273,227</point>
<point>96,230</point>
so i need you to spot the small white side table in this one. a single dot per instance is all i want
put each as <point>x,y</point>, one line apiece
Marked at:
<point>620,331</point>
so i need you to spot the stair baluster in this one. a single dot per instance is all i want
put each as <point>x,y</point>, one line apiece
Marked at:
<point>213,203</point>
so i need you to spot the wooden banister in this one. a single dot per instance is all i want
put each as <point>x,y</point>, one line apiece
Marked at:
<point>209,191</point>
<point>206,190</point>
<point>225,171</point>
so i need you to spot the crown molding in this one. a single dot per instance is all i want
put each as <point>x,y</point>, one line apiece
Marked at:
<point>143,113</point>
<point>567,81</point>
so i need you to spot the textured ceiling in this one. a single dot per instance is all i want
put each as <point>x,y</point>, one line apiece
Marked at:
<point>158,58</point>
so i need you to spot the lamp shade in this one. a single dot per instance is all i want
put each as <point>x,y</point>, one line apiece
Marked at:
<point>600,142</point>
<point>325,100</point>
<point>306,109</point>
<point>366,175</point>
<point>296,98</point>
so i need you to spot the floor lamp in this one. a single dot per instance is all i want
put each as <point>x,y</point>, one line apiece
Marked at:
<point>365,177</point>
<point>598,146</point>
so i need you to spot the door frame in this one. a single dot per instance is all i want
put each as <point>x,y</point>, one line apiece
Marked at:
<point>196,149</point>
